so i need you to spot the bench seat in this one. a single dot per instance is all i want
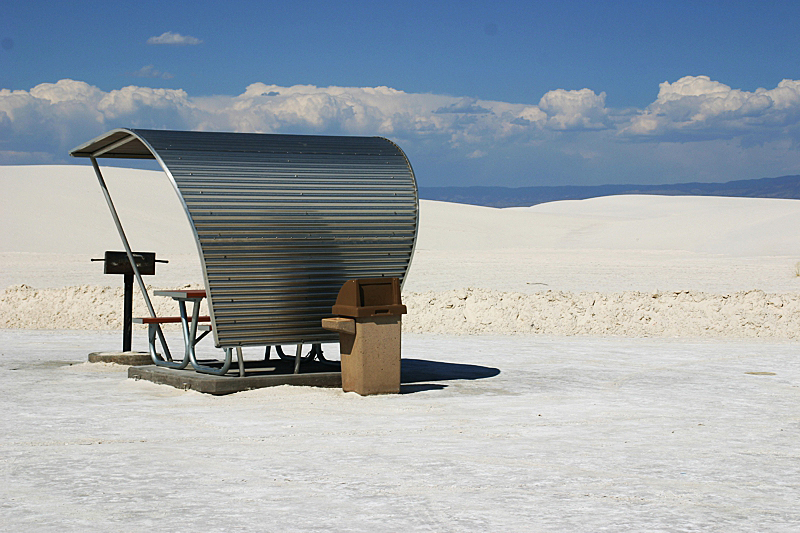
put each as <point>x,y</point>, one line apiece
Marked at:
<point>166,319</point>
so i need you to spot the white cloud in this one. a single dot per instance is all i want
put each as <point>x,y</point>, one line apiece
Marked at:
<point>63,114</point>
<point>696,107</point>
<point>55,117</point>
<point>151,108</point>
<point>66,91</point>
<point>363,111</point>
<point>169,37</point>
<point>52,118</point>
<point>575,110</point>
<point>48,116</point>
<point>466,106</point>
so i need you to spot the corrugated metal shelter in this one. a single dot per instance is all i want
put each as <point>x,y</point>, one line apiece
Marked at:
<point>281,221</point>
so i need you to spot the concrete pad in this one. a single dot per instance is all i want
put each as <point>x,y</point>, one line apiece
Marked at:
<point>259,374</point>
<point>416,376</point>
<point>121,358</point>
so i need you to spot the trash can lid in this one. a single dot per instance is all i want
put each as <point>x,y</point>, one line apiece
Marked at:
<point>369,297</point>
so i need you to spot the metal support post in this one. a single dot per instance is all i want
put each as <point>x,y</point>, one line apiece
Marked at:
<point>122,236</point>
<point>127,246</point>
<point>297,356</point>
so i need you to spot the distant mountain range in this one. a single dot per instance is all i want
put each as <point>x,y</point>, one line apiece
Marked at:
<point>783,187</point>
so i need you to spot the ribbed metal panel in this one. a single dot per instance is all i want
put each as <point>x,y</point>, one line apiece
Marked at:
<point>282,221</point>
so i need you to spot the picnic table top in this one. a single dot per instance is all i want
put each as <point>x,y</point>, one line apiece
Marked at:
<point>183,294</point>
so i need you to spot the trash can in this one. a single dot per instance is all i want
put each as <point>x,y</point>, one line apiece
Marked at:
<point>369,325</point>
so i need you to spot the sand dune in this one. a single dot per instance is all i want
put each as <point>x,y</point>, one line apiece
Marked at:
<point>55,220</point>
<point>710,225</point>
<point>614,252</point>
<point>613,243</point>
<point>60,209</point>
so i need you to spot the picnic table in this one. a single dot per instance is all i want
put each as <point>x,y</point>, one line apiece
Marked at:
<point>191,325</point>
<point>190,328</point>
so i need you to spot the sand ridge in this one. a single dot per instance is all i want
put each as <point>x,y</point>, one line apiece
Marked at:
<point>627,314</point>
<point>471,311</point>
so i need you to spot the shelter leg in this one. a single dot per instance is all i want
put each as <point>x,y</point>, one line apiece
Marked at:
<point>297,356</point>
<point>123,237</point>
<point>240,359</point>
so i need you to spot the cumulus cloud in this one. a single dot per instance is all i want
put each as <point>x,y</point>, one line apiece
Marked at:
<point>45,118</point>
<point>361,111</point>
<point>466,124</point>
<point>51,118</point>
<point>169,37</point>
<point>575,110</point>
<point>144,107</point>
<point>466,106</point>
<point>697,107</point>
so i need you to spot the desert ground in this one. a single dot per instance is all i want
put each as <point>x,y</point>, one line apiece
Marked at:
<point>624,363</point>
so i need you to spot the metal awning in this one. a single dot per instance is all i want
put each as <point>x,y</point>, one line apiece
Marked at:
<point>280,221</point>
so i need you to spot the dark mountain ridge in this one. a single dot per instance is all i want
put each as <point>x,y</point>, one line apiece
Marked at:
<point>782,187</point>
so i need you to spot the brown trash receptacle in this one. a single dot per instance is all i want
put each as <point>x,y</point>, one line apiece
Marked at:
<point>369,325</point>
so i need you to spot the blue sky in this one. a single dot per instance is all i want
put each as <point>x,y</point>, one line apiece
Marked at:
<point>476,93</point>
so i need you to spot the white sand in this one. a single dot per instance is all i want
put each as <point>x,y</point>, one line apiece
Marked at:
<point>611,244</point>
<point>529,433</point>
<point>573,434</point>
<point>623,265</point>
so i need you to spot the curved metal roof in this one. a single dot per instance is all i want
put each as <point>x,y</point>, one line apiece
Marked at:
<point>282,221</point>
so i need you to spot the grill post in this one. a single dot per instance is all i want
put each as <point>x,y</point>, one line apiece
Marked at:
<point>127,316</point>
<point>119,263</point>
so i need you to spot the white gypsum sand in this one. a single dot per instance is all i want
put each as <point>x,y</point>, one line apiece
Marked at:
<point>501,433</point>
<point>620,265</point>
<point>495,433</point>
<point>471,311</point>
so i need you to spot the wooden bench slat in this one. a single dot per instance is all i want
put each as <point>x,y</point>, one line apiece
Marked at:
<point>166,319</point>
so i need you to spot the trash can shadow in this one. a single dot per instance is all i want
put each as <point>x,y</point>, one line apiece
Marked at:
<point>417,374</point>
